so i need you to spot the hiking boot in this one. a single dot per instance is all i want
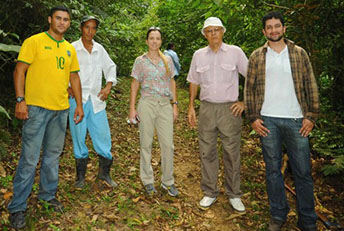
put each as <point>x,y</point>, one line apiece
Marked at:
<point>206,202</point>
<point>55,205</point>
<point>237,204</point>
<point>172,190</point>
<point>81,166</point>
<point>104,171</point>
<point>275,225</point>
<point>17,220</point>
<point>150,190</point>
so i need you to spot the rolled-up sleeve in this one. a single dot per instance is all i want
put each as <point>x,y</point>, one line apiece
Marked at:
<point>242,63</point>
<point>109,68</point>
<point>193,76</point>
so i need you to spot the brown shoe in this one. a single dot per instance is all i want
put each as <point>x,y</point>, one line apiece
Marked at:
<point>275,225</point>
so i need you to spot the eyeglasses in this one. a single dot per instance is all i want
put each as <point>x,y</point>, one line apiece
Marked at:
<point>154,28</point>
<point>215,30</point>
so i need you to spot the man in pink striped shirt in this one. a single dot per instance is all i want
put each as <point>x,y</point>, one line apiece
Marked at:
<point>216,69</point>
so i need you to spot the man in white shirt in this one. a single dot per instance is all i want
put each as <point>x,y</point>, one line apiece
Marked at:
<point>216,70</point>
<point>281,96</point>
<point>94,61</point>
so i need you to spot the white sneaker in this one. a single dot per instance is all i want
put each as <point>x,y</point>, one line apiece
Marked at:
<point>237,204</point>
<point>206,202</point>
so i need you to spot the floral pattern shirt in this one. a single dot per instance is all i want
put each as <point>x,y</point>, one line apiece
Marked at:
<point>153,78</point>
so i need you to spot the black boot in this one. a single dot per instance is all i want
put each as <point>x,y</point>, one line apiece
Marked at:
<point>81,165</point>
<point>104,170</point>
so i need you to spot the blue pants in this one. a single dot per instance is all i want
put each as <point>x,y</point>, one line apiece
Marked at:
<point>98,128</point>
<point>47,128</point>
<point>287,131</point>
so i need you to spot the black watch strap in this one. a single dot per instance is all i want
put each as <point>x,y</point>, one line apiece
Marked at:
<point>20,99</point>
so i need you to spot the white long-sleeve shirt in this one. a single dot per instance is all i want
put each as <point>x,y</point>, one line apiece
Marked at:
<point>92,67</point>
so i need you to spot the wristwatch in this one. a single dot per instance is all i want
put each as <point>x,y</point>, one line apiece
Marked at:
<point>176,103</point>
<point>20,99</point>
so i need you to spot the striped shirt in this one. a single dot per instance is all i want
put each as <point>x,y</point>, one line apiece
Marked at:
<point>303,77</point>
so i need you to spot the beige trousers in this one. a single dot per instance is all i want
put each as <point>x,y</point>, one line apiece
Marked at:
<point>216,119</point>
<point>156,114</point>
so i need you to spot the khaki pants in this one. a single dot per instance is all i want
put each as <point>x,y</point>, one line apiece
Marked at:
<point>217,119</point>
<point>156,113</point>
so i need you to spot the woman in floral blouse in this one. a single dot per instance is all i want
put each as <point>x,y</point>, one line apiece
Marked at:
<point>157,109</point>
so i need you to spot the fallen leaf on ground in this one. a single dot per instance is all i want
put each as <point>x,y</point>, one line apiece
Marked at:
<point>234,215</point>
<point>94,218</point>
<point>86,206</point>
<point>209,214</point>
<point>8,195</point>
<point>2,171</point>
<point>111,217</point>
<point>135,200</point>
<point>291,214</point>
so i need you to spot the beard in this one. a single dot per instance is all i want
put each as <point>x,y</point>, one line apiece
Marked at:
<point>274,40</point>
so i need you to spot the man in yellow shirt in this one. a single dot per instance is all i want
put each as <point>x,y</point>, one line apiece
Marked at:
<point>46,65</point>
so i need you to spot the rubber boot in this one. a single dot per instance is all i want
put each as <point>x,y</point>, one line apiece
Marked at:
<point>81,165</point>
<point>104,171</point>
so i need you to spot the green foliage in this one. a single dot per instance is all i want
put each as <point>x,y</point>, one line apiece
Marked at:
<point>328,141</point>
<point>312,24</point>
<point>337,166</point>
<point>3,111</point>
<point>4,134</point>
<point>7,48</point>
<point>5,181</point>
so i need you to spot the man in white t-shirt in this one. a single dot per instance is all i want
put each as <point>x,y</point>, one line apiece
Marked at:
<point>282,104</point>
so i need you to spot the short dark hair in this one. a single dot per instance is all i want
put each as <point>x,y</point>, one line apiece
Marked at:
<point>153,28</point>
<point>59,8</point>
<point>170,46</point>
<point>271,15</point>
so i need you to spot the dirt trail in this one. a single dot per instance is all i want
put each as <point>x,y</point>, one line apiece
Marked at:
<point>98,207</point>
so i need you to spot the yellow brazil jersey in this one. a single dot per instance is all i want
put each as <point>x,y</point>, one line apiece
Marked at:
<point>47,77</point>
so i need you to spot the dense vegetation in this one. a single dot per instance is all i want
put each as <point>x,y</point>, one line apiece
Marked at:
<point>315,25</point>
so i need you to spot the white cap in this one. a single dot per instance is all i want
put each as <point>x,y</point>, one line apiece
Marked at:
<point>212,21</point>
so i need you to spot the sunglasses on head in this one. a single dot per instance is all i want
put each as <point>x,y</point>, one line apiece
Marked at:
<point>154,28</point>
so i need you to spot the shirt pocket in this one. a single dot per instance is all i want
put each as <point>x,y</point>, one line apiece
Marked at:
<point>204,74</point>
<point>228,73</point>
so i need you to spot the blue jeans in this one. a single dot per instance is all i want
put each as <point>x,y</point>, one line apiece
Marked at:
<point>97,125</point>
<point>45,128</point>
<point>286,131</point>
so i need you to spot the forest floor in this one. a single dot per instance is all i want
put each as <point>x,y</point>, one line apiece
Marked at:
<point>99,207</point>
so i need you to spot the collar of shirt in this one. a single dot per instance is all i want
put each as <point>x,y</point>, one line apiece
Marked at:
<point>80,46</point>
<point>223,47</point>
<point>146,57</point>
<point>287,41</point>
<point>274,53</point>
